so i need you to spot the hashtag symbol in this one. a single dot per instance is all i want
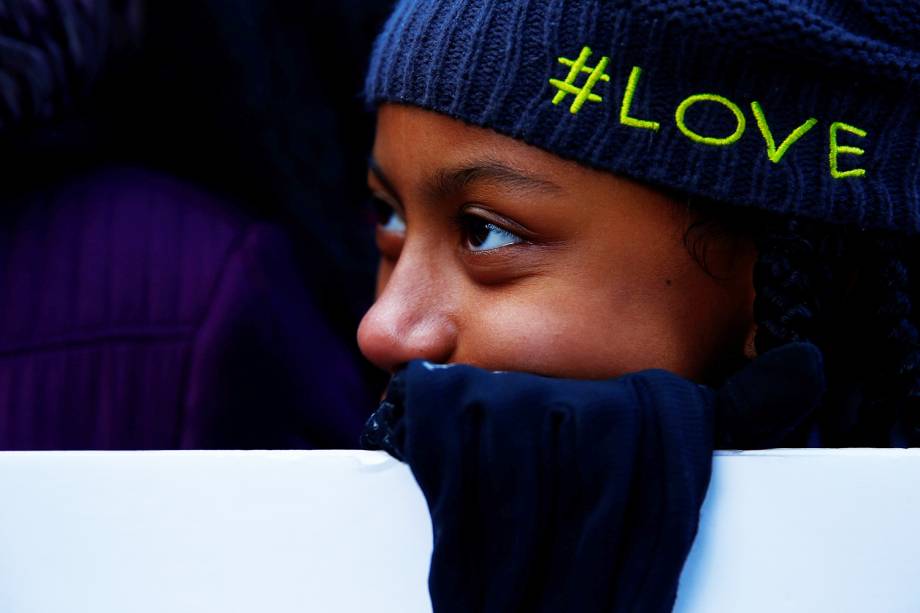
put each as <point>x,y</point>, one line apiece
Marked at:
<point>582,94</point>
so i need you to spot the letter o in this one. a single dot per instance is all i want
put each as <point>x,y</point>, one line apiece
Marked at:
<point>710,140</point>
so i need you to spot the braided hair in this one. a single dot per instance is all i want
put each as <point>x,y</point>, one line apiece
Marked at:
<point>851,292</point>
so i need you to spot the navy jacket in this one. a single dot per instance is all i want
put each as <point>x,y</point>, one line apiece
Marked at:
<point>570,495</point>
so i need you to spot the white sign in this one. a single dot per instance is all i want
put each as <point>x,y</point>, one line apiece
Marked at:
<point>343,531</point>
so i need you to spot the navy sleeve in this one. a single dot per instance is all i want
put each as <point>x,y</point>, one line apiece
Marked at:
<point>567,495</point>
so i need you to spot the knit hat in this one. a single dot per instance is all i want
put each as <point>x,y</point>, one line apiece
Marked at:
<point>805,107</point>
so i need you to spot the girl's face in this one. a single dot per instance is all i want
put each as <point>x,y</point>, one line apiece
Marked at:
<point>500,255</point>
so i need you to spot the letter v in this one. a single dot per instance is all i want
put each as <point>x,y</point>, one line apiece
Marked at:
<point>773,152</point>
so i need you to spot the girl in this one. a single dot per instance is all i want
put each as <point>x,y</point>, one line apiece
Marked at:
<point>687,224</point>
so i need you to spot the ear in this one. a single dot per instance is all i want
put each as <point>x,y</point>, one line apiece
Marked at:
<point>750,350</point>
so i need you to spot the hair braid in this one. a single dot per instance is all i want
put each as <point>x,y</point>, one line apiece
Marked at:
<point>899,335</point>
<point>851,293</point>
<point>853,297</point>
<point>784,307</point>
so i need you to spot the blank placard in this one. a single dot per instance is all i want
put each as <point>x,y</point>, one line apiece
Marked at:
<point>348,531</point>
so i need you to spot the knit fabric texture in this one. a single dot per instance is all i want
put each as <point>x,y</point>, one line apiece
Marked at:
<point>803,107</point>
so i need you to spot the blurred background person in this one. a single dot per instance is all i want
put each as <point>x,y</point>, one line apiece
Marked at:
<point>184,248</point>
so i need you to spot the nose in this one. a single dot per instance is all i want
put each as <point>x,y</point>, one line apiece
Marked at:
<point>412,317</point>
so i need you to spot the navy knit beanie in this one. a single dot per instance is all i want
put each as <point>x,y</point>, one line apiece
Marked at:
<point>806,107</point>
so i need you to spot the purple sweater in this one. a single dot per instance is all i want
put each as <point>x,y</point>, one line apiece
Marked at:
<point>138,312</point>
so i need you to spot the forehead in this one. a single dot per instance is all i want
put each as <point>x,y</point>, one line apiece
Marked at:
<point>413,142</point>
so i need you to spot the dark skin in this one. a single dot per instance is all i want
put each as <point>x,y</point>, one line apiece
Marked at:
<point>501,255</point>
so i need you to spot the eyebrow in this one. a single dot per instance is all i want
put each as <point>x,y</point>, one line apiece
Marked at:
<point>381,176</point>
<point>447,182</point>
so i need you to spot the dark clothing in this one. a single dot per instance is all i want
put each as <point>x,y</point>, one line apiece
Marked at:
<point>551,495</point>
<point>139,312</point>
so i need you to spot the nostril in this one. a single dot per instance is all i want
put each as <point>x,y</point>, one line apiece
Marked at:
<point>391,339</point>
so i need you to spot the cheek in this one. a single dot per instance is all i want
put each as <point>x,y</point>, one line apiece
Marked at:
<point>584,327</point>
<point>564,332</point>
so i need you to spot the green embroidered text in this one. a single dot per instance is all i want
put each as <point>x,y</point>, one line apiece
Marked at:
<point>775,153</point>
<point>710,140</point>
<point>583,93</point>
<point>838,149</point>
<point>625,119</point>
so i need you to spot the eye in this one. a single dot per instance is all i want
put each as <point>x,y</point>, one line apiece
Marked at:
<point>482,235</point>
<point>388,217</point>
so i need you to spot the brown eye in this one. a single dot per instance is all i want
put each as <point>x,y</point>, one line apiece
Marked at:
<point>388,218</point>
<point>482,235</point>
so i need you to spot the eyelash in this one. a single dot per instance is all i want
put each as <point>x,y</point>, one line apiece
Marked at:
<point>383,210</point>
<point>467,224</point>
